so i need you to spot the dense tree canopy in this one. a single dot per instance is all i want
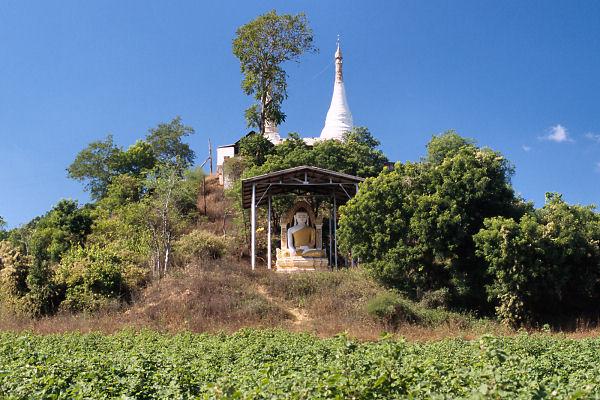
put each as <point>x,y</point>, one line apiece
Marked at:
<point>262,46</point>
<point>413,225</point>
<point>357,154</point>
<point>166,143</point>
<point>103,160</point>
<point>545,264</point>
<point>255,148</point>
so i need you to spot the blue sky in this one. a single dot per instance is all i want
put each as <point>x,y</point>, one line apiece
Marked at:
<point>522,77</point>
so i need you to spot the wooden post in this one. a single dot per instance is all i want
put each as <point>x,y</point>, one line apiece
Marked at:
<point>269,261</point>
<point>210,156</point>
<point>335,230</point>
<point>330,240</point>
<point>253,228</point>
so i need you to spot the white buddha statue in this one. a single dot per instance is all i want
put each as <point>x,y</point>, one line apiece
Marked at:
<point>301,238</point>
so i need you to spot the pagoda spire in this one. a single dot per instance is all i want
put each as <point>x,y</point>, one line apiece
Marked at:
<point>339,117</point>
<point>339,76</point>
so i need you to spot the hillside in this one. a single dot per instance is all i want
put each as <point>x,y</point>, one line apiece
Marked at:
<point>222,296</point>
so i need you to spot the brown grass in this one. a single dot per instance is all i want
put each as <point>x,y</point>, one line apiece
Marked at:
<point>215,207</point>
<point>227,296</point>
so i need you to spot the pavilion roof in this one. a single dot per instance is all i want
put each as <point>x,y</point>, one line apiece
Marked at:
<point>300,180</point>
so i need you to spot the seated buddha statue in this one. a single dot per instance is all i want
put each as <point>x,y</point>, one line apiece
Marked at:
<point>301,238</point>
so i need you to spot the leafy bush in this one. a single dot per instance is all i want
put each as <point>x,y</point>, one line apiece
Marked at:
<point>26,287</point>
<point>13,276</point>
<point>384,306</point>
<point>546,264</point>
<point>439,298</point>
<point>91,278</point>
<point>200,245</point>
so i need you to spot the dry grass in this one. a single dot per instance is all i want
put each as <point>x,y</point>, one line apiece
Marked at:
<point>227,296</point>
<point>215,207</point>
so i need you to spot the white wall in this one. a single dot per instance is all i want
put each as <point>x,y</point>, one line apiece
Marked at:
<point>223,152</point>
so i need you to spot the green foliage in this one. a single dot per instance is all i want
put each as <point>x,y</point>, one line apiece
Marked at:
<point>413,226</point>
<point>14,267</point>
<point>275,364</point>
<point>64,226</point>
<point>96,165</point>
<point>102,161</point>
<point>394,308</point>
<point>383,305</point>
<point>262,46</point>
<point>91,277</point>
<point>200,245</point>
<point>26,287</point>
<point>357,155</point>
<point>165,142</point>
<point>547,263</point>
<point>255,148</point>
<point>439,298</point>
<point>234,167</point>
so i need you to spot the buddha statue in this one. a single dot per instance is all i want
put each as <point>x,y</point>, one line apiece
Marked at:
<point>301,240</point>
<point>301,237</point>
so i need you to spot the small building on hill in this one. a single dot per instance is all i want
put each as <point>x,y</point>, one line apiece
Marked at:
<point>226,152</point>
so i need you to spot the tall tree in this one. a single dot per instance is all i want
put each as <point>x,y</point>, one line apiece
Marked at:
<point>95,166</point>
<point>102,160</point>
<point>167,146</point>
<point>262,46</point>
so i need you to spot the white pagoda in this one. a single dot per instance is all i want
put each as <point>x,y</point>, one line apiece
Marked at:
<point>339,117</point>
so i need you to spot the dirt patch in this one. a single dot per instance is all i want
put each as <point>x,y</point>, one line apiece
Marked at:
<point>301,317</point>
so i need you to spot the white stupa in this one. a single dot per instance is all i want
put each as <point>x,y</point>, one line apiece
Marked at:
<point>339,117</point>
<point>272,132</point>
<point>271,128</point>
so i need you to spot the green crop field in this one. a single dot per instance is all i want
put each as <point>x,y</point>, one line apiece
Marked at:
<point>277,364</point>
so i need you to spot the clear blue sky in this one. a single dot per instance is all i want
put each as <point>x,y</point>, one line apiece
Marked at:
<point>520,77</point>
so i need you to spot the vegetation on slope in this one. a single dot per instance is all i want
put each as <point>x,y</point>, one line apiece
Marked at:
<point>452,222</point>
<point>445,234</point>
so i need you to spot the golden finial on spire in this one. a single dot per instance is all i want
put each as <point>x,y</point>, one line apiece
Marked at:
<point>338,62</point>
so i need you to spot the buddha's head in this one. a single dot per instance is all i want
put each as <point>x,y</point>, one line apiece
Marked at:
<point>301,218</point>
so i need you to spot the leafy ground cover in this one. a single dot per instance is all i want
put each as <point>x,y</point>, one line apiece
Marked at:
<point>253,364</point>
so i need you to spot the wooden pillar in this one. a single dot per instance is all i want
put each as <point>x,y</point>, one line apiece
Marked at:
<point>335,243</point>
<point>253,228</point>
<point>330,240</point>
<point>269,260</point>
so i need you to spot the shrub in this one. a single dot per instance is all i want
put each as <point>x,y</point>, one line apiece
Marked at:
<point>393,308</point>
<point>13,276</point>
<point>436,298</point>
<point>200,245</point>
<point>91,277</point>
<point>384,306</point>
<point>13,270</point>
<point>544,265</point>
